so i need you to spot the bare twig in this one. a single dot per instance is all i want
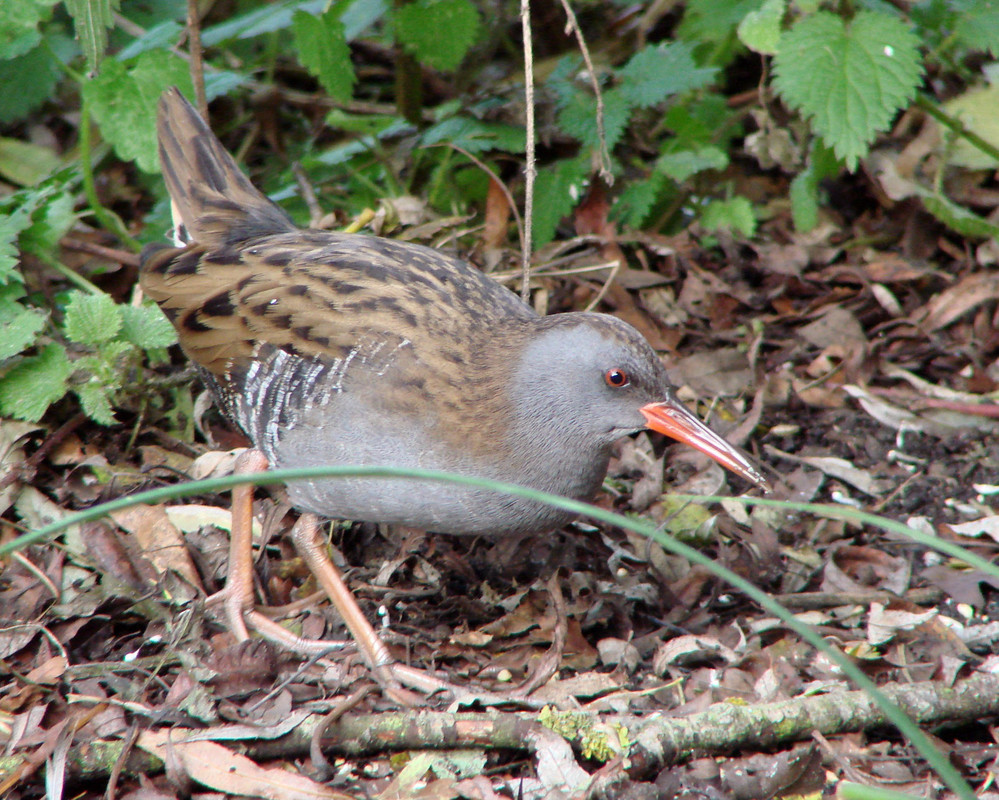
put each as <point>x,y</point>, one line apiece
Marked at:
<point>603,153</point>
<point>197,62</point>
<point>530,166</point>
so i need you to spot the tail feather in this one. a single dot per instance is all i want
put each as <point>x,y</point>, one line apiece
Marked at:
<point>212,199</point>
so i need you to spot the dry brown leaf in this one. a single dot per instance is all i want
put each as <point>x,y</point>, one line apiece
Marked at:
<point>219,768</point>
<point>159,540</point>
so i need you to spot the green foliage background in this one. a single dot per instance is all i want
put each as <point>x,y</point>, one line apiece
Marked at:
<point>830,79</point>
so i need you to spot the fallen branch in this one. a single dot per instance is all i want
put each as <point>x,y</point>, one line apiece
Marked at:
<point>656,740</point>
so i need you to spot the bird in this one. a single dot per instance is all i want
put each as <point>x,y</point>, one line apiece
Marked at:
<point>329,348</point>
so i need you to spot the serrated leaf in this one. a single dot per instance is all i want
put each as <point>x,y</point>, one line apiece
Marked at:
<point>578,117</point>
<point>438,32</point>
<point>735,214</point>
<point>52,216</point>
<point>659,71</point>
<point>680,165</point>
<point>19,332</point>
<point>19,21</point>
<point>92,18</point>
<point>91,318</point>
<point>323,51</point>
<point>96,402</point>
<point>849,80</point>
<point>146,327</point>
<point>760,29</point>
<point>12,222</point>
<point>637,198</point>
<point>123,100</point>
<point>556,192</point>
<point>28,389</point>
<point>977,26</point>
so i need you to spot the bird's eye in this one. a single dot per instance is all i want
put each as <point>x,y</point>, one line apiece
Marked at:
<point>616,378</point>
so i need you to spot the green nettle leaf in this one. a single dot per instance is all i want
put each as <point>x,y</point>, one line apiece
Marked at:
<point>95,398</point>
<point>123,100</point>
<point>735,214</point>
<point>51,219</point>
<point>32,386</point>
<point>91,318</point>
<point>19,332</point>
<point>556,192</point>
<point>12,222</point>
<point>146,327</point>
<point>438,32</point>
<point>682,164</point>
<point>760,29</point>
<point>661,70</point>
<point>713,21</point>
<point>849,80</point>
<point>978,26</point>
<point>637,198</point>
<point>19,21</point>
<point>35,74</point>
<point>579,117</point>
<point>92,18</point>
<point>324,52</point>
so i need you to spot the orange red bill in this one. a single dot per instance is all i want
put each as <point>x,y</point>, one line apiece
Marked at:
<point>674,420</point>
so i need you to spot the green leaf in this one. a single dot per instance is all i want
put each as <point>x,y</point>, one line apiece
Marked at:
<point>51,219</point>
<point>476,136</point>
<point>760,29</point>
<point>323,51</point>
<point>713,21</point>
<point>269,18</point>
<point>681,164</point>
<point>12,222</point>
<point>438,32</point>
<point>556,192</point>
<point>849,80</point>
<point>123,100</point>
<point>637,198</point>
<point>32,386</point>
<point>735,214</point>
<point>579,117</point>
<point>146,327</point>
<point>19,21</point>
<point>165,34</point>
<point>91,318</point>
<point>35,74</point>
<point>26,163</point>
<point>659,71</point>
<point>977,26</point>
<point>92,18</point>
<point>804,193</point>
<point>95,398</point>
<point>958,218</point>
<point>19,332</point>
<point>978,110</point>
